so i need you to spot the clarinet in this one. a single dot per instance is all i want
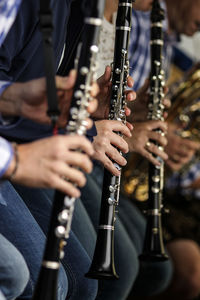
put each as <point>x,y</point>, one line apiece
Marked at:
<point>63,206</point>
<point>102,266</point>
<point>153,249</point>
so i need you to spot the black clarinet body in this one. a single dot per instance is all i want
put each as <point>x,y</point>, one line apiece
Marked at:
<point>63,206</point>
<point>103,266</point>
<point>153,245</point>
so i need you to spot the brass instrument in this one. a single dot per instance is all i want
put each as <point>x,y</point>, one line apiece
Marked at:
<point>185,109</point>
<point>184,112</point>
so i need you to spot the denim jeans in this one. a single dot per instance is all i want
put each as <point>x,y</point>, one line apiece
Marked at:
<point>126,260</point>
<point>39,203</point>
<point>20,228</point>
<point>77,257</point>
<point>14,273</point>
<point>142,279</point>
<point>2,296</point>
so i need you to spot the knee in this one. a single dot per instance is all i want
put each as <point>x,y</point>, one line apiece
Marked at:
<point>186,258</point>
<point>88,290</point>
<point>153,278</point>
<point>62,284</point>
<point>16,277</point>
<point>190,286</point>
<point>83,289</point>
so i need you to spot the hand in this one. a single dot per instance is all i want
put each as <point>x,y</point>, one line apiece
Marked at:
<point>179,150</point>
<point>29,99</point>
<point>139,107</point>
<point>194,185</point>
<point>104,95</point>
<point>47,162</point>
<point>107,140</point>
<point>142,133</point>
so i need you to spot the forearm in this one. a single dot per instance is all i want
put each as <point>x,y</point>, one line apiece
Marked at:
<point>10,100</point>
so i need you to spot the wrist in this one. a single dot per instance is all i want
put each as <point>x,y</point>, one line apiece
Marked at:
<point>13,166</point>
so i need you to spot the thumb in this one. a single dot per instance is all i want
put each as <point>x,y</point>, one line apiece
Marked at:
<point>105,78</point>
<point>68,82</point>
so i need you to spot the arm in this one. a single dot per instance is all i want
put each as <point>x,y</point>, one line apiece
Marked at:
<point>29,99</point>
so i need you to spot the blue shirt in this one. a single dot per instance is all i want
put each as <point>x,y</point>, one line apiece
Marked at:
<point>21,58</point>
<point>8,11</point>
<point>139,49</point>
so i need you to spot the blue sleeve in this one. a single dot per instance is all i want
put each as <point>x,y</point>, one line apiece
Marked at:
<point>18,38</point>
<point>4,85</point>
<point>6,155</point>
<point>92,132</point>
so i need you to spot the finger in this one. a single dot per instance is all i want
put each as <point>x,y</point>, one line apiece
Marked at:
<point>166,89</point>
<point>158,151</point>
<point>127,111</point>
<point>150,157</point>
<point>119,142</point>
<point>180,160</point>
<point>79,160</point>
<point>66,82</point>
<point>107,73</point>
<point>71,174</point>
<point>108,164</point>
<point>167,103</point>
<point>158,137</point>
<point>66,187</point>
<point>79,142</point>
<point>165,115</point>
<point>130,82</point>
<point>92,106</point>
<point>190,145</point>
<point>105,78</point>
<point>119,126</point>
<point>89,123</point>
<point>95,89</point>
<point>129,125</point>
<point>130,95</point>
<point>151,125</point>
<point>184,153</point>
<point>114,154</point>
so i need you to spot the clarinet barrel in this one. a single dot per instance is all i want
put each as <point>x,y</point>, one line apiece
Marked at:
<point>153,249</point>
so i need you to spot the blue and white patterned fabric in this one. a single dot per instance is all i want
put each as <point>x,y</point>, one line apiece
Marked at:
<point>8,12</point>
<point>180,182</point>
<point>139,49</point>
<point>6,154</point>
